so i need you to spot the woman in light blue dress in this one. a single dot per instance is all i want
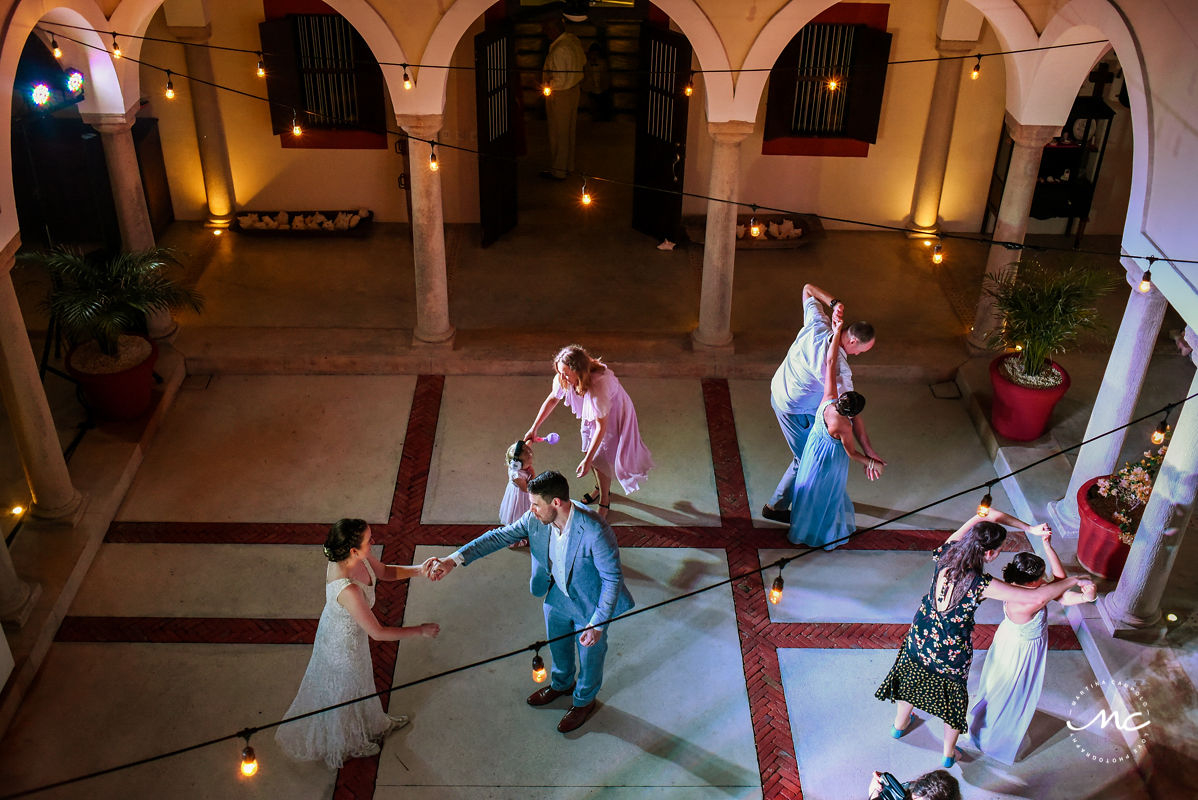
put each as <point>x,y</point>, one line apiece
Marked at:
<point>821,512</point>
<point>1013,673</point>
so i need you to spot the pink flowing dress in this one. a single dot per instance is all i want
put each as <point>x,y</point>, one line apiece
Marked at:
<point>621,454</point>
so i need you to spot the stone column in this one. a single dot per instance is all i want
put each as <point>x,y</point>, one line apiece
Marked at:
<point>17,597</point>
<point>1011,225</point>
<point>1136,602</point>
<point>1117,396</point>
<point>428,233</point>
<point>719,245</point>
<point>130,196</point>
<point>937,136</point>
<point>210,127</point>
<point>54,496</point>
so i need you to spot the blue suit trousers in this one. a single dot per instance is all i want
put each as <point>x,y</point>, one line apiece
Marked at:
<point>795,428</point>
<point>562,617</point>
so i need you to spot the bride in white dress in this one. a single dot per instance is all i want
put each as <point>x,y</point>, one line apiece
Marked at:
<point>340,667</point>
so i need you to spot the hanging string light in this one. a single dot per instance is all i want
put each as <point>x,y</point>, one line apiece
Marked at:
<point>55,48</point>
<point>1145,282</point>
<point>432,157</point>
<point>116,48</point>
<point>938,254</point>
<point>539,673</point>
<point>689,89</point>
<point>17,510</point>
<point>249,761</point>
<point>170,87</point>
<point>261,69</point>
<point>984,506</point>
<point>407,79</point>
<point>1162,430</point>
<point>976,72</point>
<point>296,130</point>
<point>754,228</point>
<point>775,596</point>
<point>545,90</point>
<point>586,196</point>
<point>833,84</point>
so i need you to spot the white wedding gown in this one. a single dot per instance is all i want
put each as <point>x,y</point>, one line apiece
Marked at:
<point>339,670</point>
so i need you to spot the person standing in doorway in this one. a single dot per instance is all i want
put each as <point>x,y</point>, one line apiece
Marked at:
<point>798,385</point>
<point>562,74</point>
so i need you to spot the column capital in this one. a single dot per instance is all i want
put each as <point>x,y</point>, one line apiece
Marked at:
<point>8,255</point>
<point>731,132</point>
<point>191,33</point>
<point>954,47</point>
<point>1035,136</point>
<point>421,126</point>
<point>111,123</point>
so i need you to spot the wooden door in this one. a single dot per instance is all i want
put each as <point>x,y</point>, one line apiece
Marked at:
<point>662,107</point>
<point>496,84</point>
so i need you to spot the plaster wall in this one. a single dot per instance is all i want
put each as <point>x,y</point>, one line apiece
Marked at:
<point>878,188</point>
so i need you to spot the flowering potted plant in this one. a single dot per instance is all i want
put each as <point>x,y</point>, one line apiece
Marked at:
<point>1110,509</point>
<point>1042,311</point>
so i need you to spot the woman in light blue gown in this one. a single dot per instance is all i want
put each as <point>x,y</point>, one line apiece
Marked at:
<point>822,512</point>
<point>1013,673</point>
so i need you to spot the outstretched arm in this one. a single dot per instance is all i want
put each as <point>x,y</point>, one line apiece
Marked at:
<point>397,572</point>
<point>352,599</point>
<point>546,408</point>
<point>811,290</point>
<point>998,590</point>
<point>832,365</point>
<point>995,515</point>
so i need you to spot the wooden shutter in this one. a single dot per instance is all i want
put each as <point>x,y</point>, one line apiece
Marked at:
<point>282,72</point>
<point>864,89</point>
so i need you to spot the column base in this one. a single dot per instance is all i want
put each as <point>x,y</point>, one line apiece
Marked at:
<point>922,231</point>
<point>220,221</point>
<point>443,340</point>
<point>17,614</point>
<point>977,345</point>
<point>1124,625</point>
<point>700,344</point>
<point>1064,517</point>
<point>67,514</point>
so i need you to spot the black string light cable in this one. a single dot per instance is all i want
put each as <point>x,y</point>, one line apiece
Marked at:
<point>1017,246</point>
<point>535,647</point>
<point>625,70</point>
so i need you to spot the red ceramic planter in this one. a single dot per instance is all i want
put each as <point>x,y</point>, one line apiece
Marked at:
<point>1021,413</point>
<point>1099,548</point>
<point>119,395</point>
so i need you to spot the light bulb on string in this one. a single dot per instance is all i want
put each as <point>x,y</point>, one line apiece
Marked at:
<point>432,157</point>
<point>775,596</point>
<point>116,48</point>
<point>18,510</point>
<point>296,130</point>
<point>539,673</point>
<point>938,254</point>
<point>689,89</point>
<point>1162,430</point>
<point>984,506</point>
<point>249,761</point>
<point>976,72</point>
<point>407,79</point>
<point>586,196</point>
<point>55,48</point>
<point>261,69</point>
<point>169,92</point>
<point>1145,282</point>
<point>833,84</point>
<point>754,228</point>
<point>545,90</point>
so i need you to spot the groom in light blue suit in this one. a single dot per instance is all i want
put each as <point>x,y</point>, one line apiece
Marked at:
<point>576,568</point>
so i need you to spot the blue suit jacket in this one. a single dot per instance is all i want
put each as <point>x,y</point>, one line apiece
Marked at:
<point>594,580</point>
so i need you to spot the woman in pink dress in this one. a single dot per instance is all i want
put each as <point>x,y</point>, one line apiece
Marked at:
<point>611,439</point>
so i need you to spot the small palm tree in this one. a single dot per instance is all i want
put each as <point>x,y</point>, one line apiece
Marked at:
<point>1043,311</point>
<point>101,299</point>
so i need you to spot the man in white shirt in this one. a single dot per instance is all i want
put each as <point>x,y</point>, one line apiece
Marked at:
<point>576,568</point>
<point>562,74</point>
<point>798,386</point>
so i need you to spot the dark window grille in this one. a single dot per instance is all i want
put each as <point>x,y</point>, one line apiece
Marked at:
<point>327,49</point>
<point>824,52</point>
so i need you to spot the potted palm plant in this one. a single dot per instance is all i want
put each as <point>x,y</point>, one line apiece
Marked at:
<point>1042,311</point>
<point>100,306</point>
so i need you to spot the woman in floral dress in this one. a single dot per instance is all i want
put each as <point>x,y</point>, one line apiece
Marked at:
<point>932,666</point>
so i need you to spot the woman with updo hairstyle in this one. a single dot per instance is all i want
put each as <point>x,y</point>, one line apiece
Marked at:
<point>611,437</point>
<point>932,666</point>
<point>821,512</point>
<point>340,667</point>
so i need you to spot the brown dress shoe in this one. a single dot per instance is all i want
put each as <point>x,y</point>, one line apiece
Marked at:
<point>547,695</point>
<point>575,717</point>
